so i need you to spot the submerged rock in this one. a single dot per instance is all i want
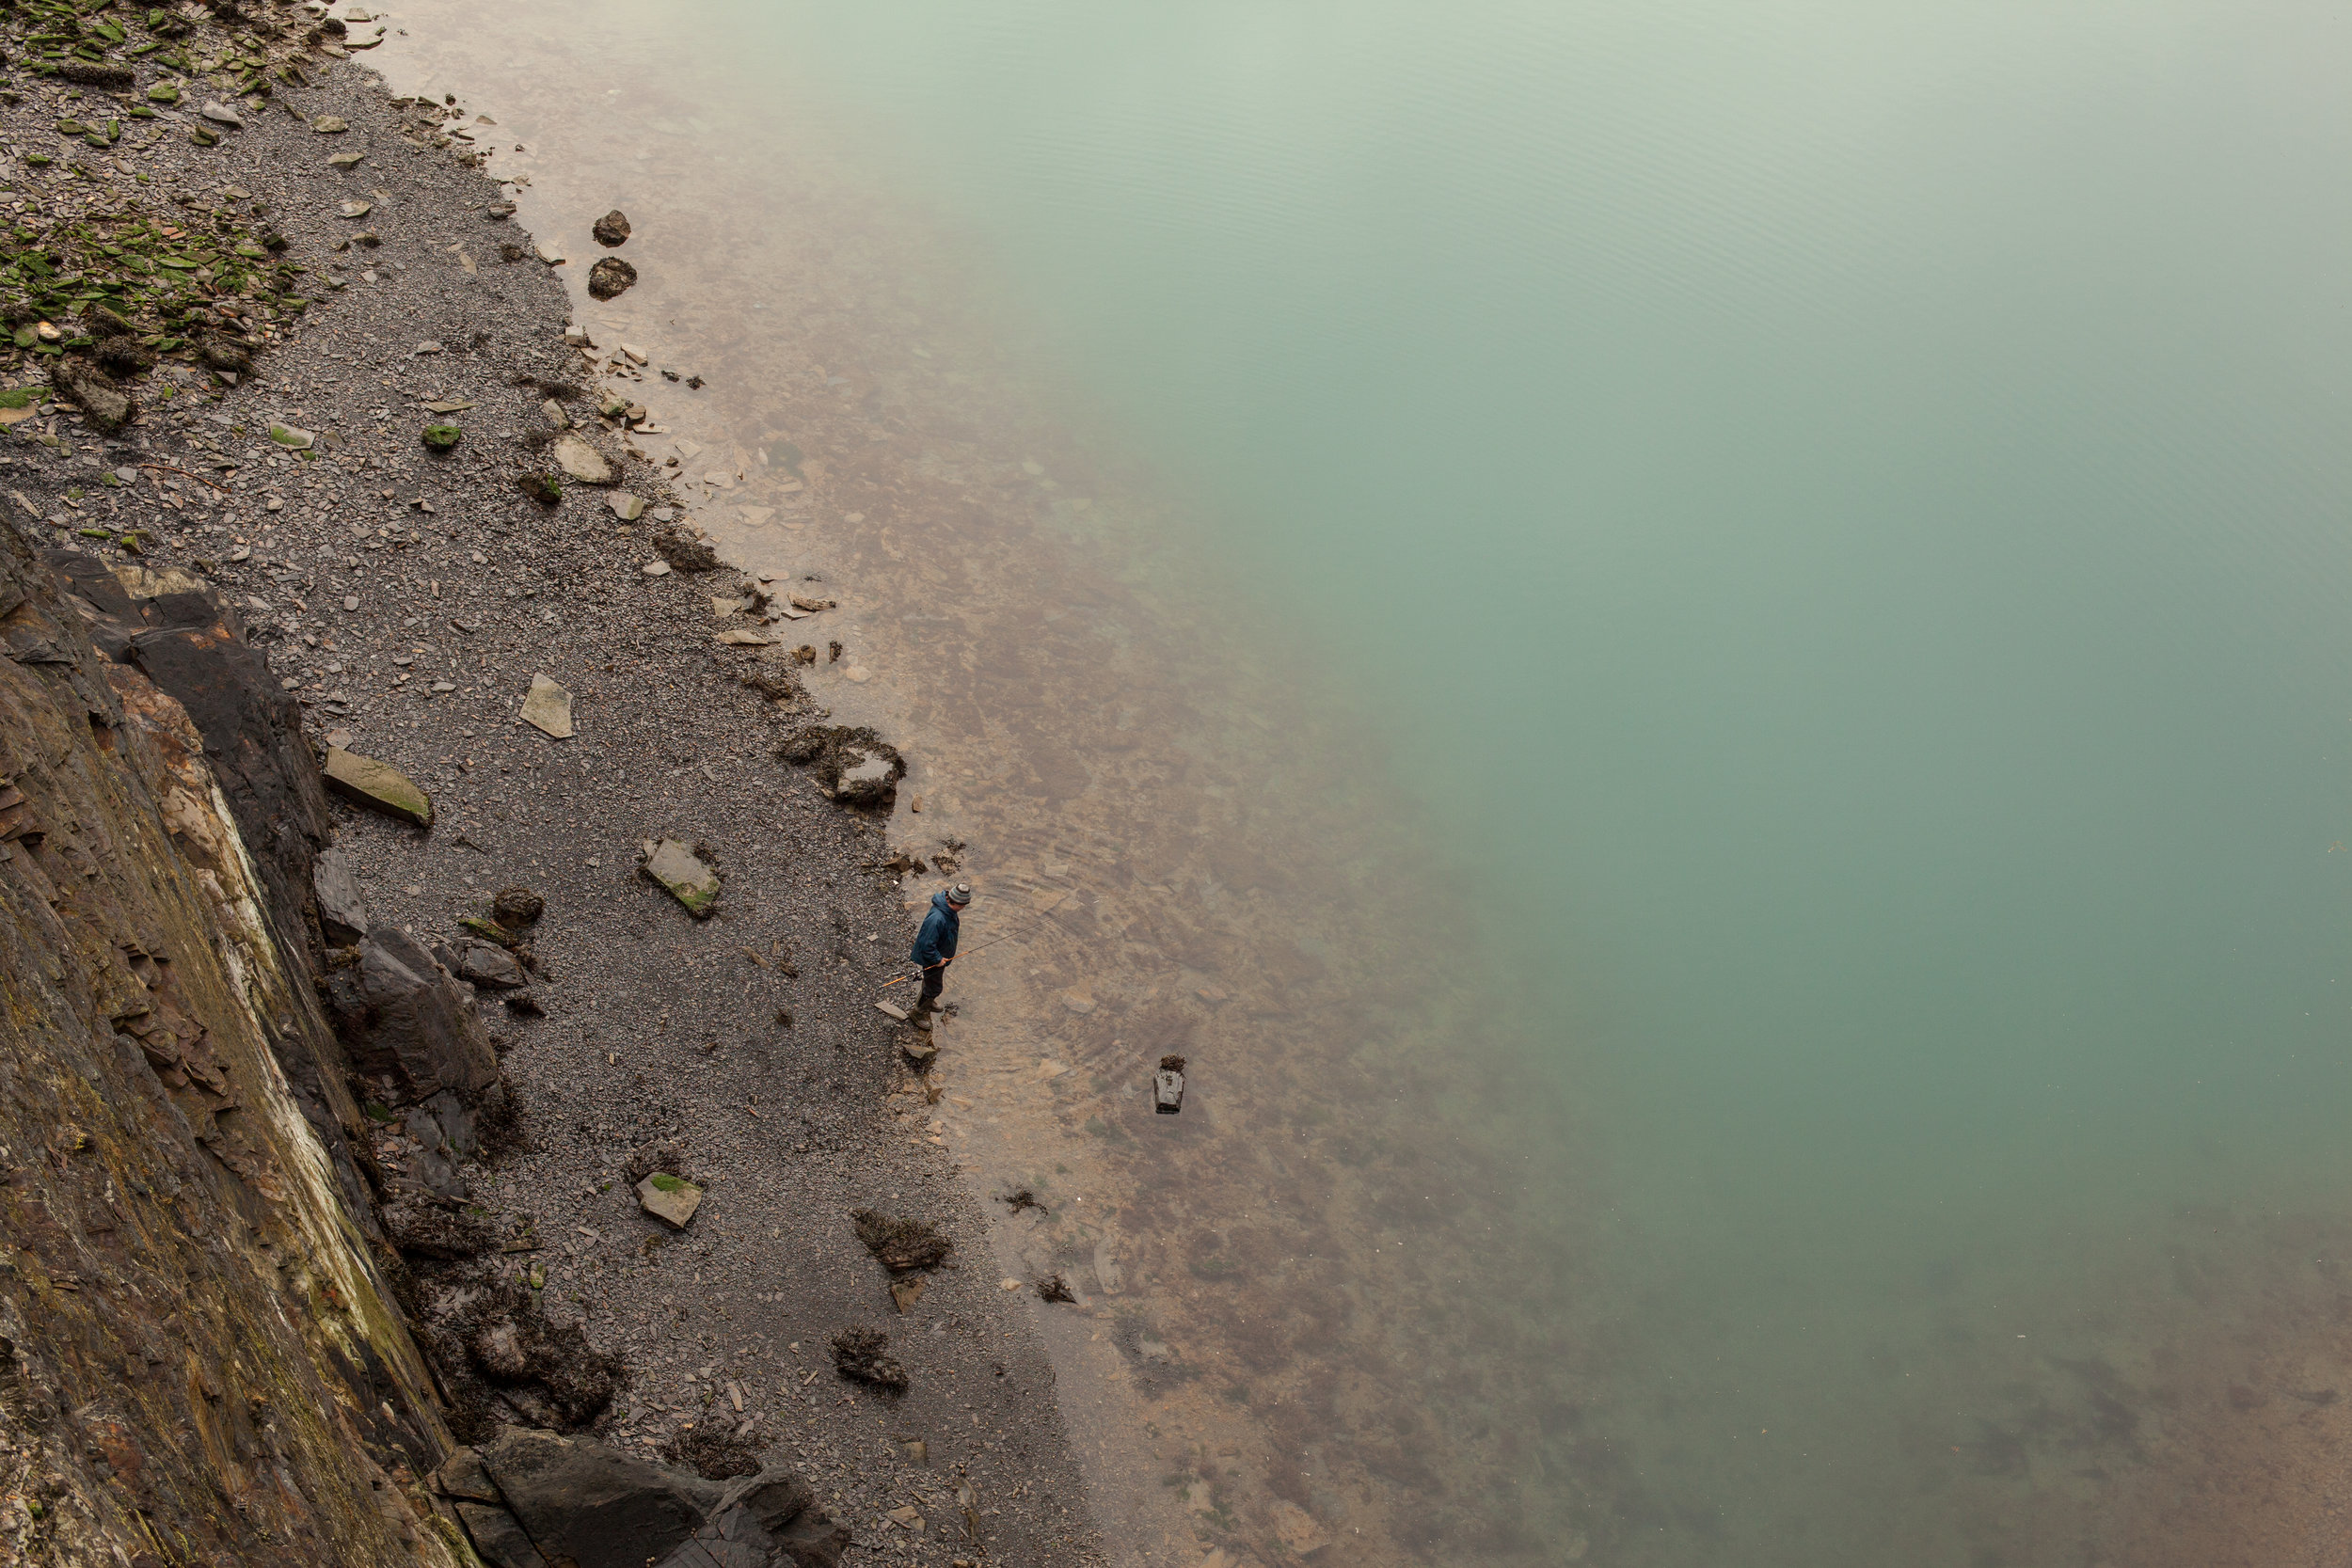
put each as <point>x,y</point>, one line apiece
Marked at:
<point>683,551</point>
<point>611,277</point>
<point>853,764</point>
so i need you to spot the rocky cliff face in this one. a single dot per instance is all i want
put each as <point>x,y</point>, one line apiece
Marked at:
<point>200,1360</point>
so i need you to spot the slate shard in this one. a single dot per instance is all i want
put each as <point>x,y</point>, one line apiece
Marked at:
<point>681,871</point>
<point>378,786</point>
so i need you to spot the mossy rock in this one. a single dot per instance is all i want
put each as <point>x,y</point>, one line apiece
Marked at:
<point>441,437</point>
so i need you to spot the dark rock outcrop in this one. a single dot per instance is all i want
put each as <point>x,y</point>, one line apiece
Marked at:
<point>407,1026</point>
<point>559,1501</point>
<point>342,910</point>
<point>201,1349</point>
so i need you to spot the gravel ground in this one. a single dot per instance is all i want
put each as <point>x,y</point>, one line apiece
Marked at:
<point>409,598</point>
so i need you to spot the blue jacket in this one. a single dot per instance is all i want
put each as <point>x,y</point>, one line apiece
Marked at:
<point>936,942</point>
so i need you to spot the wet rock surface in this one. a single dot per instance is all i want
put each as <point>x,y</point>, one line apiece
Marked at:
<point>561,1500</point>
<point>197,1345</point>
<point>398,597</point>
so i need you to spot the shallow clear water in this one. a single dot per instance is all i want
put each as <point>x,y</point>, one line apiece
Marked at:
<point>1745,602</point>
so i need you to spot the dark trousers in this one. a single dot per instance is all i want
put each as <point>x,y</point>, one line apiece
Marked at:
<point>934,981</point>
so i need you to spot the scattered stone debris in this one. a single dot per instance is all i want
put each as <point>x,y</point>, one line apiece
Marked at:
<point>378,786</point>
<point>669,1198</point>
<point>713,1453</point>
<point>683,873</point>
<point>859,1354</point>
<point>547,708</point>
<point>611,230</point>
<point>900,1244</point>
<point>610,279</point>
<point>855,766</point>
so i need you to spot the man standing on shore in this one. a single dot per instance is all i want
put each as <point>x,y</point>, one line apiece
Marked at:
<point>935,948</point>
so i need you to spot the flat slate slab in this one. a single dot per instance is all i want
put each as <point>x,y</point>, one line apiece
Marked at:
<point>680,870</point>
<point>583,461</point>
<point>548,707</point>
<point>667,1198</point>
<point>378,786</point>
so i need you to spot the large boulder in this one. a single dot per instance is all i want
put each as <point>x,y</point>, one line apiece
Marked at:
<point>568,1499</point>
<point>406,1022</point>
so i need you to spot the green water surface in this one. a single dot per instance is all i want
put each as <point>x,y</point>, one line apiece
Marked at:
<point>1842,508</point>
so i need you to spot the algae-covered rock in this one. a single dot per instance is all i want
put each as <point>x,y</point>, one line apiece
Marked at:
<point>682,872</point>
<point>669,1198</point>
<point>378,786</point>
<point>544,488</point>
<point>441,437</point>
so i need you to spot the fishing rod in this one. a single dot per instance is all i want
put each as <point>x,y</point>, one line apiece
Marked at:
<point>977,947</point>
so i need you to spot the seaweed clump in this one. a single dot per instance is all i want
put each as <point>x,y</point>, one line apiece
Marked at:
<point>858,1353</point>
<point>901,1243</point>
